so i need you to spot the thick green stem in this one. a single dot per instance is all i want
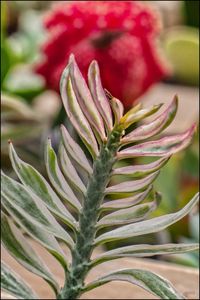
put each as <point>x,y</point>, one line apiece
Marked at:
<point>89,216</point>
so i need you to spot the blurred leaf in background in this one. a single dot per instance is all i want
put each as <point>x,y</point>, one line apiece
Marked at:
<point>20,48</point>
<point>191,13</point>
<point>181,45</point>
<point>21,124</point>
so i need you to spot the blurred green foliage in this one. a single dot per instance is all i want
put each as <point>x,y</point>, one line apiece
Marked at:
<point>19,51</point>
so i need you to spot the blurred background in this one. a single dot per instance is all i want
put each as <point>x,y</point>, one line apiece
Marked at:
<point>147,51</point>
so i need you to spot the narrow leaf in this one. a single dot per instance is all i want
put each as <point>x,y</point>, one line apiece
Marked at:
<point>125,202</point>
<point>70,172</point>
<point>14,285</point>
<point>143,251</point>
<point>162,147</point>
<point>30,206</point>
<point>155,127</point>
<point>117,108</point>
<point>132,185</point>
<point>75,113</point>
<point>32,179</point>
<point>148,226</point>
<point>134,116</point>
<point>137,171</point>
<point>57,179</point>
<point>14,241</point>
<point>99,95</point>
<point>85,99</point>
<point>129,215</point>
<point>36,232</point>
<point>75,150</point>
<point>147,280</point>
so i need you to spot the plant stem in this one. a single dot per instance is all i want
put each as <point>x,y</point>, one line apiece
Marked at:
<point>89,216</point>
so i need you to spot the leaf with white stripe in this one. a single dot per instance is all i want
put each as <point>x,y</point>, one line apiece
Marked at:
<point>70,172</point>
<point>14,285</point>
<point>147,280</point>
<point>162,147</point>
<point>99,95</point>
<point>137,171</point>
<point>85,99</point>
<point>36,232</point>
<point>129,215</point>
<point>154,127</point>
<point>148,226</point>
<point>57,179</point>
<point>132,185</point>
<point>32,179</point>
<point>75,150</point>
<point>117,108</point>
<point>125,202</point>
<point>30,206</point>
<point>75,113</point>
<point>17,245</point>
<point>143,251</point>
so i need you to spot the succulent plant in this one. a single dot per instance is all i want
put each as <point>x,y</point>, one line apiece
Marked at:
<point>78,188</point>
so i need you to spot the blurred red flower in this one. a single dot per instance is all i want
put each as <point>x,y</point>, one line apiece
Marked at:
<point>120,35</point>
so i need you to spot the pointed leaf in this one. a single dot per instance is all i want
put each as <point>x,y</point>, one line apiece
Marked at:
<point>30,206</point>
<point>132,185</point>
<point>32,179</point>
<point>147,280</point>
<point>133,116</point>
<point>162,147</point>
<point>99,95</point>
<point>137,171</point>
<point>129,215</point>
<point>75,113</point>
<point>85,99</point>
<point>70,171</point>
<point>75,150</point>
<point>14,285</point>
<point>57,179</point>
<point>36,232</point>
<point>117,108</point>
<point>143,251</point>
<point>125,202</point>
<point>154,127</point>
<point>14,241</point>
<point>148,226</point>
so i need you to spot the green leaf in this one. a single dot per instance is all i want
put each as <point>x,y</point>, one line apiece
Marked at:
<point>32,179</point>
<point>23,82</point>
<point>14,285</point>
<point>147,280</point>
<point>143,251</point>
<point>30,206</point>
<point>14,241</point>
<point>148,226</point>
<point>57,179</point>
<point>134,116</point>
